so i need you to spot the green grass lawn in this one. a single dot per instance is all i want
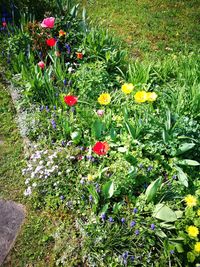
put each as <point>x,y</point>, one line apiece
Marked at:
<point>151,28</point>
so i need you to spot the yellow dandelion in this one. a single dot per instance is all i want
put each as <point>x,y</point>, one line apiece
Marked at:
<point>127,88</point>
<point>90,177</point>
<point>151,96</point>
<point>140,97</point>
<point>192,231</point>
<point>104,99</point>
<point>197,247</point>
<point>190,200</point>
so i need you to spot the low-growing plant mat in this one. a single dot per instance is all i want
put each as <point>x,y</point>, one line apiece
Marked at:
<point>35,243</point>
<point>151,28</point>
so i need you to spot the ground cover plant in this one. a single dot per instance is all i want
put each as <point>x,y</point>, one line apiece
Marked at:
<point>116,146</point>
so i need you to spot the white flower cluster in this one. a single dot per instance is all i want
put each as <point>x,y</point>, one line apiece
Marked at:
<point>40,166</point>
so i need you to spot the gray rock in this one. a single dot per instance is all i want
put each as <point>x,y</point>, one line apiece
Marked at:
<point>11,218</point>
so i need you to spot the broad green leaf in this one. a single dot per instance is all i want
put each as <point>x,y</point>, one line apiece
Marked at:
<point>179,213</point>
<point>184,147</point>
<point>97,128</point>
<point>160,233</point>
<point>164,213</point>
<point>113,133</point>
<point>152,189</point>
<point>117,207</point>
<point>182,177</point>
<point>108,189</point>
<point>188,162</point>
<point>105,208</point>
<point>191,256</point>
<point>167,226</point>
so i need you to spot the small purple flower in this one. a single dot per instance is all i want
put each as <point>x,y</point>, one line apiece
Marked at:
<point>132,224</point>
<point>41,108</point>
<point>90,198</point>
<point>69,143</point>
<point>65,82</point>
<point>82,181</point>
<point>153,226</point>
<point>62,197</point>
<point>111,220</point>
<point>53,123</point>
<point>174,177</point>
<point>103,216</point>
<point>123,220</point>
<point>141,166</point>
<point>54,107</point>
<point>132,258</point>
<point>135,210</point>
<point>137,232</point>
<point>97,186</point>
<point>47,109</point>
<point>67,46</point>
<point>63,143</point>
<point>150,168</point>
<point>172,252</point>
<point>125,255</point>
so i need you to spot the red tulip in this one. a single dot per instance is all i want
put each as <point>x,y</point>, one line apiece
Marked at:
<point>71,100</point>
<point>101,148</point>
<point>51,42</point>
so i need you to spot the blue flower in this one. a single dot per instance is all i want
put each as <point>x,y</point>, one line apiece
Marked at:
<point>125,255</point>
<point>111,220</point>
<point>135,210</point>
<point>132,258</point>
<point>171,251</point>
<point>137,232</point>
<point>62,197</point>
<point>65,82</point>
<point>132,224</point>
<point>90,198</point>
<point>153,226</point>
<point>53,123</point>
<point>103,216</point>
<point>123,220</point>
<point>149,168</point>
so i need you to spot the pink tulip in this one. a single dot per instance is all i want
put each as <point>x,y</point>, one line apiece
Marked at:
<point>41,64</point>
<point>48,23</point>
<point>100,112</point>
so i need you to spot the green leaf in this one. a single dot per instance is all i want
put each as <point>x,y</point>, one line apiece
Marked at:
<point>167,226</point>
<point>188,162</point>
<point>152,189</point>
<point>191,257</point>
<point>182,177</point>
<point>105,208</point>
<point>132,160</point>
<point>117,207</point>
<point>179,213</point>
<point>108,189</point>
<point>164,213</point>
<point>97,128</point>
<point>160,233</point>
<point>130,129</point>
<point>183,148</point>
<point>113,133</point>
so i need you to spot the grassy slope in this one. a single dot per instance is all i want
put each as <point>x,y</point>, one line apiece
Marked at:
<point>149,27</point>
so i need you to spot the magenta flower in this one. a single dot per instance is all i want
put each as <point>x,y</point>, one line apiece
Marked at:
<point>48,23</point>
<point>100,112</point>
<point>41,64</point>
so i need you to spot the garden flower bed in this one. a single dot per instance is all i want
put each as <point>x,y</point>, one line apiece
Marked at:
<point>116,143</point>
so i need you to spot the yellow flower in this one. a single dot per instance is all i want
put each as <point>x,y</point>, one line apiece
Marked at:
<point>140,97</point>
<point>197,247</point>
<point>104,99</point>
<point>198,212</point>
<point>193,231</point>
<point>190,200</point>
<point>90,177</point>
<point>61,33</point>
<point>151,96</point>
<point>127,88</point>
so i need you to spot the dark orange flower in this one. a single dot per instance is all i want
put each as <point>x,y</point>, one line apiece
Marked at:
<point>79,55</point>
<point>101,148</point>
